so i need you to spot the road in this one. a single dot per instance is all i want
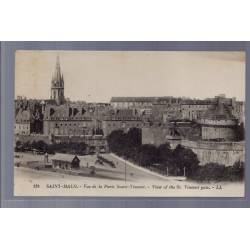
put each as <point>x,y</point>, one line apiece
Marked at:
<point>133,173</point>
<point>123,172</point>
<point>110,178</point>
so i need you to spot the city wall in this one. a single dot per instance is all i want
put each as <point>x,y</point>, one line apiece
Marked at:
<point>226,153</point>
<point>154,135</point>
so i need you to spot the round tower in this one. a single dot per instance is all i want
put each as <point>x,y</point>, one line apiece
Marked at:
<point>218,124</point>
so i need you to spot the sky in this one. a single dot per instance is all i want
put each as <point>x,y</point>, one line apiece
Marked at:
<point>96,76</point>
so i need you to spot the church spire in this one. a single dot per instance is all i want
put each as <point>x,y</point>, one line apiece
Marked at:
<point>57,84</point>
<point>58,75</point>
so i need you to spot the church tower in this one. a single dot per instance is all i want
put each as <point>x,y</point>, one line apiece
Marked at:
<point>57,85</point>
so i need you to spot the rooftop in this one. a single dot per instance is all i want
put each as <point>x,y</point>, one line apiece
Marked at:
<point>133,99</point>
<point>218,112</point>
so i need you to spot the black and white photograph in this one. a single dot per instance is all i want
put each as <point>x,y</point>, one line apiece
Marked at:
<point>124,124</point>
<point>129,123</point>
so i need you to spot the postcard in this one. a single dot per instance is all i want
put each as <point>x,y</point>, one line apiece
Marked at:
<point>129,123</point>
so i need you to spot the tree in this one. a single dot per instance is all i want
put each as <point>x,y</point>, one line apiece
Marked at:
<point>26,145</point>
<point>147,155</point>
<point>134,137</point>
<point>41,146</point>
<point>219,172</point>
<point>241,132</point>
<point>236,172</point>
<point>19,146</point>
<point>18,143</point>
<point>185,158</point>
<point>215,171</point>
<point>116,141</point>
<point>238,164</point>
<point>82,146</point>
<point>164,154</point>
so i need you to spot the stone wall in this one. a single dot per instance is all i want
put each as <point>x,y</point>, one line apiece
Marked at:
<point>226,153</point>
<point>154,135</point>
<point>223,133</point>
<point>109,126</point>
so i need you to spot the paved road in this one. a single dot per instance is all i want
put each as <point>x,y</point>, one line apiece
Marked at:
<point>25,178</point>
<point>133,173</point>
<point>123,171</point>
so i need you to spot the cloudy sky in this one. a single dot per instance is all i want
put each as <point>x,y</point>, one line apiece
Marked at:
<point>96,76</point>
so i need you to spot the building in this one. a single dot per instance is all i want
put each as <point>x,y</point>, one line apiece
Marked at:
<point>238,111</point>
<point>22,122</point>
<point>109,125</point>
<point>132,102</point>
<point>218,124</point>
<point>169,108</point>
<point>211,123</point>
<point>172,112</point>
<point>122,119</point>
<point>212,136</point>
<point>64,161</point>
<point>193,109</point>
<point>57,85</point>
<point>68,119</point>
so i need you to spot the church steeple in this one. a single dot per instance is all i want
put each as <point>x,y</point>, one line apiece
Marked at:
<point>57,84</point>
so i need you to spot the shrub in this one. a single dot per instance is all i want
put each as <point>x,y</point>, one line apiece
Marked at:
<point>217,172</point>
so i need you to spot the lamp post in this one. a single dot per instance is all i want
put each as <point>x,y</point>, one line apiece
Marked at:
<point>125,170</point>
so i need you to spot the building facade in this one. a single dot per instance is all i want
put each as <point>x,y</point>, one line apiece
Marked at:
<point>218,124</point>
<point>212,136</point>
<point>65,161</point>
<point>120,119</point>
<point>22,122</point>
<point>68,119</point>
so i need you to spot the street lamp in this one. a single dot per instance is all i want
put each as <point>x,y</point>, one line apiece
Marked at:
<point>125,170</point>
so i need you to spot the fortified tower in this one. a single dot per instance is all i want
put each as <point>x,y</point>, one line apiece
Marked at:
<point>57,85</point>
<point>218,123</point>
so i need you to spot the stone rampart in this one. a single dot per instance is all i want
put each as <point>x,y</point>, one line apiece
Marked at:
<point>226,153</point>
